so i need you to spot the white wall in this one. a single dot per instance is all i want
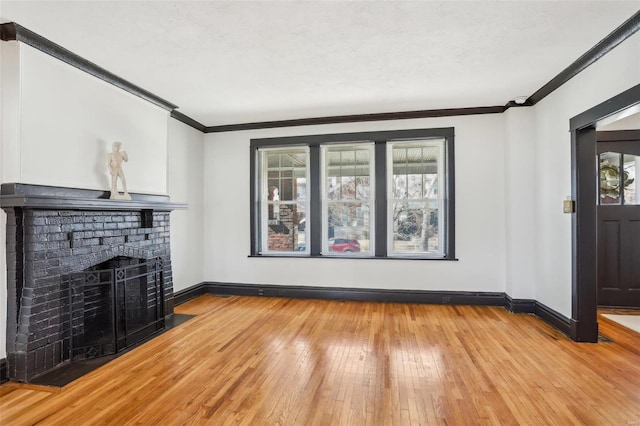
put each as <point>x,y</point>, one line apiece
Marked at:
<point>480,216</point>
<point>616,72</point>
<point>185,185</point>
<point>69,121</point>
<point>520,196</point>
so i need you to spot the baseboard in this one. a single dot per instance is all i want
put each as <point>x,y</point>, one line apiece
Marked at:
<point>358,294</point>
<point>581,331</point>
<point>553,318</point>
<point>519,306</point>
<point>184,295</point>
<point>4,372</point>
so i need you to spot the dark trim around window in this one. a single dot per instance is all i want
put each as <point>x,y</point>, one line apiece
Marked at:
<point>380,138</point>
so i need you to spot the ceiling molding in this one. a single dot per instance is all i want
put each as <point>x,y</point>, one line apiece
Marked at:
<point>336,119</point>
<point>620,34</point>
<point>188,120</point>
<point>14,32</point>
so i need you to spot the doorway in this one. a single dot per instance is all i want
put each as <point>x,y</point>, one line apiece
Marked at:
<point>618,223</point>
<point>584,191</point>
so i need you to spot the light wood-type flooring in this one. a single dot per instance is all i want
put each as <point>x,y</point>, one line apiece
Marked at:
<point>264,361</point>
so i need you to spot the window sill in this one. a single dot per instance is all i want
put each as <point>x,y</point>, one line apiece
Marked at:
<point>294,256</point>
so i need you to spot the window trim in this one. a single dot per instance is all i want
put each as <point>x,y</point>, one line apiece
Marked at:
<point>314,215</point>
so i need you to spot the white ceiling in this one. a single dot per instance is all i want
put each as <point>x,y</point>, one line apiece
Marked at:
<point>236,62</point>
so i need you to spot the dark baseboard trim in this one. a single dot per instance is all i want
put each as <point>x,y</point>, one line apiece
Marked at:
<point>553,318</point>
<point>184,295</point>
<point>4,372</point>
<point>519,306</point>
<point>583,331</point>
<point>358,294</point>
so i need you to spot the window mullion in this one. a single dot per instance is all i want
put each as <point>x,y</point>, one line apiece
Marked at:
<point>315,201</point>
<point>380,215</point>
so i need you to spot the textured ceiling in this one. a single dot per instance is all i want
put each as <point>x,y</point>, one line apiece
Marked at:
<point>236,62</point>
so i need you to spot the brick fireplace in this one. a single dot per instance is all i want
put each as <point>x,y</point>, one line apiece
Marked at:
<point>86,275</point>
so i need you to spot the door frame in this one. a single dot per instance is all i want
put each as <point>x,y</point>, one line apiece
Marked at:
<point>584,322</point>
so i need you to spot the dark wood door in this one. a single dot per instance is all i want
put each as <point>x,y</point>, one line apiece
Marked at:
<point>619,219</point>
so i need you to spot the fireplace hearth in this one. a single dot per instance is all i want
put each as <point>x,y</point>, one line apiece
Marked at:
<point>86,276</point>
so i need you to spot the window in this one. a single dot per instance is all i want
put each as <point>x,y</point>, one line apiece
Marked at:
<point>415,197</point>
<point>618,180</point>
<point>284,200</point>
<point>372,195</point>
<point>348,199</point>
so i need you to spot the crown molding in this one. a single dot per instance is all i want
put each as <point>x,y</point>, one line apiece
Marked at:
<point>617,36</point>
<point>336,119</point>
<point>188,120</point>
<point>14,32</point>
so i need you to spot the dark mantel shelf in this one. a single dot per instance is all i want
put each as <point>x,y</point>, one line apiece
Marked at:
<point>50,197</point>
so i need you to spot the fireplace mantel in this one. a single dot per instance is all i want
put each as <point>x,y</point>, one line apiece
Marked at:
<point>51,197</point>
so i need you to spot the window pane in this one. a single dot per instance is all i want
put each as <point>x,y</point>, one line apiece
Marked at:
<point>631,166</point>
<point>301,188</point>
<point>415,201</point>
<point>348,227</point>
<point>414,186</point>
<point>348,188</point>
<point>333,188</point>
<point>399,186</point>
<point>286,189</point>
<point>273,161</point>
<point>284,233</point>
<point>610,178</point>
<point>284,200</point>
<point>362,187</point>
<point>430,184</point>
<point>415,227</point>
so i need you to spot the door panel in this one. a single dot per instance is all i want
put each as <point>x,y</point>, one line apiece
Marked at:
<point>635,257</point>
<point>618,220</point>
<point>619,256</point>
<point>609,250</point>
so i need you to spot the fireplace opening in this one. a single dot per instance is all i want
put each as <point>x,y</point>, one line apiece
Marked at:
<point>114,305</point>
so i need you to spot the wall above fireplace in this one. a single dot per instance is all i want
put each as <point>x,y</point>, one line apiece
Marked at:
<point>53,232</point>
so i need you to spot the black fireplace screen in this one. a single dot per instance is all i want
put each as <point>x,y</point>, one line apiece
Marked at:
<point>114,306</point>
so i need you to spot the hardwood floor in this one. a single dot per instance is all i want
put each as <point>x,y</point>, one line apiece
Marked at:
<point>255,361</point>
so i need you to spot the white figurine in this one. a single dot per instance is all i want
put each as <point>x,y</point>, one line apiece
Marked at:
<point>114,163</point>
